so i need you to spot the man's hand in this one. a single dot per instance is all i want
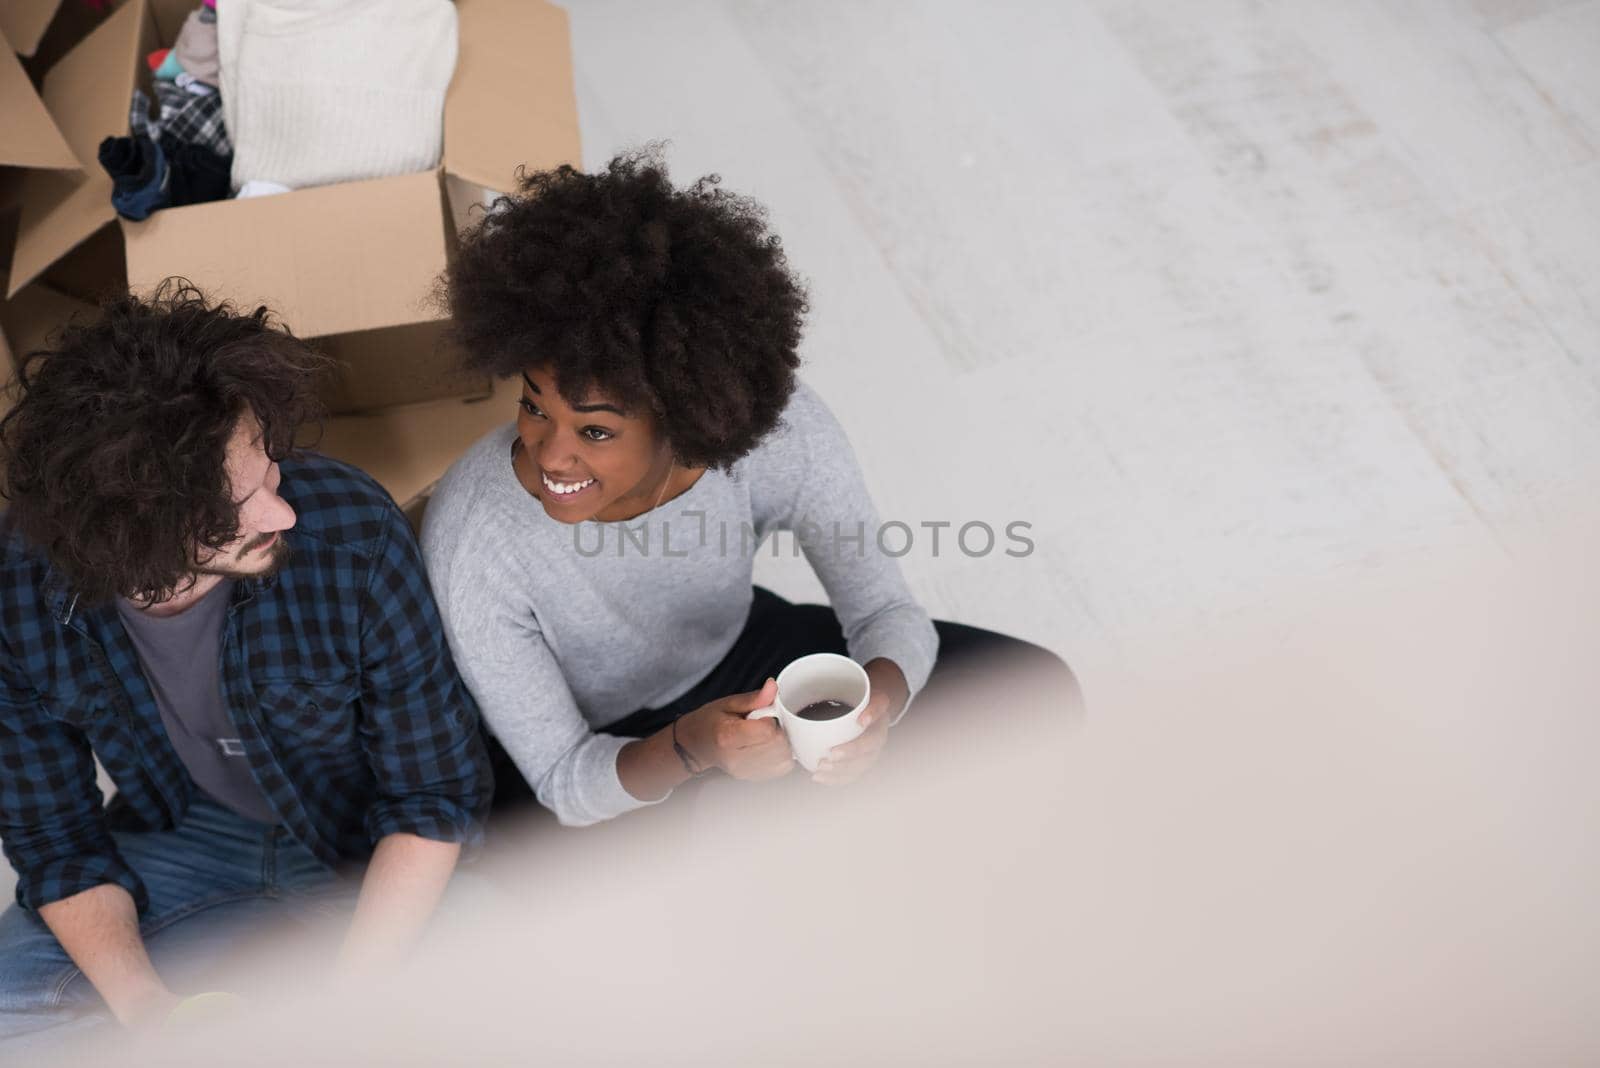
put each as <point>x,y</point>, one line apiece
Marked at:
<point>402,887</point>
<point>846,763</point>
<point>99,929</point>
<point>204,1008</point>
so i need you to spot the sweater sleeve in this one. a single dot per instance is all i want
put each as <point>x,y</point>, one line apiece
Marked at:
<point>806,479</point>
<point>507,664</point>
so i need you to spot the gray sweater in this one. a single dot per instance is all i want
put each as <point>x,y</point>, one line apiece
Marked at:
<point>560,629</point>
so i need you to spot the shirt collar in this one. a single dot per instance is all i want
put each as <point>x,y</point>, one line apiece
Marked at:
<point>63,601</point>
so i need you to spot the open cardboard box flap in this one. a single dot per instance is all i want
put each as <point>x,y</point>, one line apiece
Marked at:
<point>87,94</point>
<point>23,22</point>
<point>29,137</point>
<point>511,101</point>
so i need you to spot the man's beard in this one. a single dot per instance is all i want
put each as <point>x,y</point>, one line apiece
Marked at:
<point>276,557</point>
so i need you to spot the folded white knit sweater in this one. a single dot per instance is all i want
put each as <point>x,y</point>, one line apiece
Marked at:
<point>323,91</point>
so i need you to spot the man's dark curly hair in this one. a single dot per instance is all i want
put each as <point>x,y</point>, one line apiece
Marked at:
<point>114,456</point>
<point>675,302</point>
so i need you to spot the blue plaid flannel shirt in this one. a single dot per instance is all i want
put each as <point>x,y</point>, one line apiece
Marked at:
<point>335,670</point>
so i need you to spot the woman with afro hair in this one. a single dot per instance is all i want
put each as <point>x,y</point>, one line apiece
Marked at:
<point>593,561</point>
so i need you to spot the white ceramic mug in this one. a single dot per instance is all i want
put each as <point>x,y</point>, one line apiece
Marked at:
<point>818,677</point>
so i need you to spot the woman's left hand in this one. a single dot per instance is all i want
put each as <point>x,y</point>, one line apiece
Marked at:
<point>846,763</point>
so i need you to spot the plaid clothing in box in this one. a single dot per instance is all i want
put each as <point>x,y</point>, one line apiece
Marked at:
<point>184,118</point>
<point>335,671</point>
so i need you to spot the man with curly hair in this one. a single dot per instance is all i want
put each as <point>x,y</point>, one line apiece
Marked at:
<point>593,561</point>
<point>243,636</point>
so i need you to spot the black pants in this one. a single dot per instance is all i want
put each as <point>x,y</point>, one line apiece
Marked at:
<point>777,632</point>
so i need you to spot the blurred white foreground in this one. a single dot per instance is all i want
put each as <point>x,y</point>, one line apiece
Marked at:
<point>1358,831</point>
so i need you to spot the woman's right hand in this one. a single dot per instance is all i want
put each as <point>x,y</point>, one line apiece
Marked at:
<point>718,734</point>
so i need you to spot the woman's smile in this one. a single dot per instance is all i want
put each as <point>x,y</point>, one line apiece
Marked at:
<point>563,491</point>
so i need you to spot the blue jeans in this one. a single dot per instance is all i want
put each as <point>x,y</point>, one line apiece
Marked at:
<point>216,883</point>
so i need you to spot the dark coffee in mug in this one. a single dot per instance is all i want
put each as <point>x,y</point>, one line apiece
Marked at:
<point>824,710</point>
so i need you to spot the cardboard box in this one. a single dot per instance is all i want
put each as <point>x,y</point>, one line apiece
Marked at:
<point>408,447</point>
<point>42,30</point>
<point>29,137</point>
<point>25,324</point>
<point>27,320</point>
<point>23,22</point>
<point>351,266</point>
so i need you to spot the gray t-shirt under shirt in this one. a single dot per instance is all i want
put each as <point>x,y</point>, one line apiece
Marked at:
<point>560,631</point>
<point>180,655</point>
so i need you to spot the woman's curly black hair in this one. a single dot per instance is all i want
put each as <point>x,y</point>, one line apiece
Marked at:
<point>114,456</point>
<point>675,302</point>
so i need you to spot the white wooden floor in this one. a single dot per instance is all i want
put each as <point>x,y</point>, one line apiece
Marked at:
<point>1222,297</point>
